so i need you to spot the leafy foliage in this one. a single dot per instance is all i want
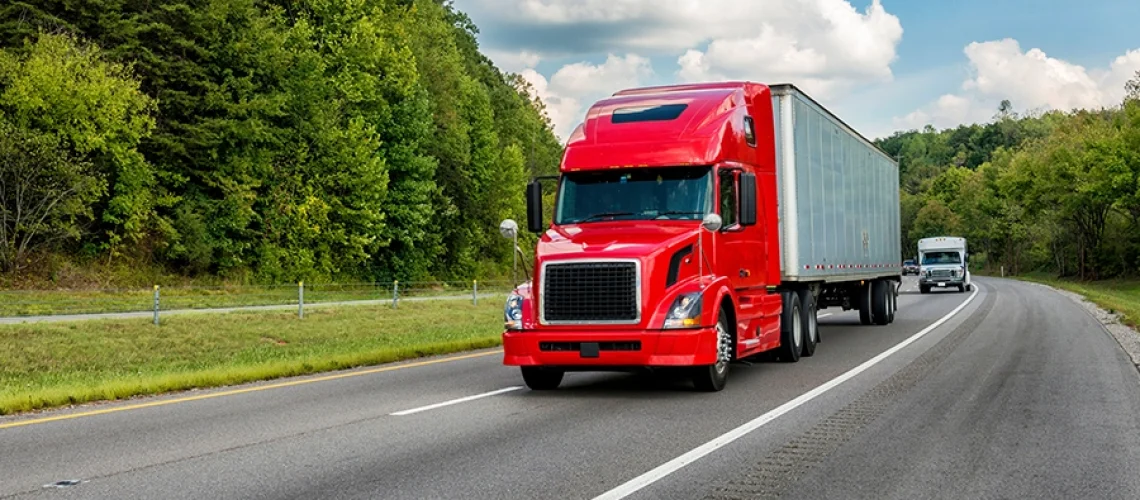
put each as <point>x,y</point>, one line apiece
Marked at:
<point>1052,192</point>
<point>71,122</point>
<point>283,140</point>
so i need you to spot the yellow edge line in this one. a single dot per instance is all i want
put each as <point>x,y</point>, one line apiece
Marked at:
<point>232,392</point>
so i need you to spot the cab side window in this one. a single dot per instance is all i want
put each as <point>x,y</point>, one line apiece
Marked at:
<point>729,198</point>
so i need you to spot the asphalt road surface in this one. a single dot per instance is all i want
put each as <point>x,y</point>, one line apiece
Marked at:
<point>1018,394</point>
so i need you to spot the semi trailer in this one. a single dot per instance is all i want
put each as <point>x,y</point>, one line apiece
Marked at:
<point>696,225</point>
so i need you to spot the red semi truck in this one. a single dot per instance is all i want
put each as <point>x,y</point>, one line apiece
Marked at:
<point>700,224</point>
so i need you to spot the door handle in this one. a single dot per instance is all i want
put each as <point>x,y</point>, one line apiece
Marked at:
<point>744,273</point>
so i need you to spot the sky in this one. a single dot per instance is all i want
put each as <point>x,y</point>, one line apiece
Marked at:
<point>880,65</point>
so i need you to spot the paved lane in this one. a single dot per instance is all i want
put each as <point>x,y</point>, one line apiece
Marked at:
<point>339,437</point>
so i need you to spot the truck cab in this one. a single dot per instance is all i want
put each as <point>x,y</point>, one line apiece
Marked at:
<point>943,263</point>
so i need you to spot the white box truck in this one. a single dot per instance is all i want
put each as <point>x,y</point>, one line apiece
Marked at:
<point>943,263</point>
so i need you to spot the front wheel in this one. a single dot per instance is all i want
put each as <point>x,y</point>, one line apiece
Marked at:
<point>542,379</point>
<point>713,377</point>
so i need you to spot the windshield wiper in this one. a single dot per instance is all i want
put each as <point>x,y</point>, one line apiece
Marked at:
<point>677,212</point>
<point>603,214</point>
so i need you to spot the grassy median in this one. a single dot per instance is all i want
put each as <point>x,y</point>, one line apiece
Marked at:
<point>1121,296</point>
<point>55,364</point>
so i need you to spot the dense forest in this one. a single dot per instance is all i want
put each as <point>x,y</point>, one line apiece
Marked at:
<point>260,140</point>
<point>1054,192</point>
<point>277,140</point>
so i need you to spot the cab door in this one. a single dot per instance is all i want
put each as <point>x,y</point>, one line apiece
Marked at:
<point>739,254</point>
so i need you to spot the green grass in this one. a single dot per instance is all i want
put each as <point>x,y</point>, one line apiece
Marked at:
<point>55,364</point>
<point>1121,296</point>
<point>51,302</point>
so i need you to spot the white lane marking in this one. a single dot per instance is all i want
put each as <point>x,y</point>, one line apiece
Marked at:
<point>455,401</point>
<point>639,482</point>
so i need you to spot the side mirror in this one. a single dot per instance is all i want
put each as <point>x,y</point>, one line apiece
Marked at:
<point>509,229</point>
<point>534,207</point>
<point>747,199</point>
<point>712,222</point>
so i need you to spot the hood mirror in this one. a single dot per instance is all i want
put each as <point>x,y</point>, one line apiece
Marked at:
<point>712,222</point>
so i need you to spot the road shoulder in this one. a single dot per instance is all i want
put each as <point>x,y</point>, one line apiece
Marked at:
<point>1128,338</point>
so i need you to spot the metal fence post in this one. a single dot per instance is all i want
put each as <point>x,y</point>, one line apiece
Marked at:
<point>301,299</point>
<point>475,292</point>
<point>155,305</point>
<point>395,292</point>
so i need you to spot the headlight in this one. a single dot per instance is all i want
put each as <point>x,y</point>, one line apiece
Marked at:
<point>685,311</point>
<point>512,313</point>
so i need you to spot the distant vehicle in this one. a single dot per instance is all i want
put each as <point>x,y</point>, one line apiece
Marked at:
<point>943,263</point>
<point>699,224</point>
<point>909,267</point>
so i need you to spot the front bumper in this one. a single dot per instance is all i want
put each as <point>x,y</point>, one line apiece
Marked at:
<point>945,281</point>
<point>610,348</point>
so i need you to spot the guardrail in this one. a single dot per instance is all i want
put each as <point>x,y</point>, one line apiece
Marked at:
<point>158,299</point>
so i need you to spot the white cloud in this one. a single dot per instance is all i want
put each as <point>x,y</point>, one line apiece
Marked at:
<point>514,61</point>
<point>577,85</point>
<point>1029,80</point>
<point>823,46</point>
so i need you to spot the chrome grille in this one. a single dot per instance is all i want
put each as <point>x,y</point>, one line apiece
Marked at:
<point>942,273</point>
<point>590,292</point>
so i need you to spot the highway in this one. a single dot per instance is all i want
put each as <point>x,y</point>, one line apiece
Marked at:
<point>1017,394</point>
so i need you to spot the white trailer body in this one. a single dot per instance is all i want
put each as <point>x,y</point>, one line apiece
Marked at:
<point>838,196</point>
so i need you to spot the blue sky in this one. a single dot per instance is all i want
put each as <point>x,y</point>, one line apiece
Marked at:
<point>881,65</point>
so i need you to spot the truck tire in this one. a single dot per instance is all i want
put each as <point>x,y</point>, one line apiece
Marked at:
<point>923,289</point>
<point>541,379</point>
<point>865,304</point>
<point>712,378</point>
<point>880,302</point>
<point>892,301</point>
<point>791,329</point>
<point>810,323</point>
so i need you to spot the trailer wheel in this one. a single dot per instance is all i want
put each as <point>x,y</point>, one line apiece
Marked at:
<point>892,301</point>
<point>865,303</point>
<point>880,302</point>
<point>810,323</point>
<point>541,379</point>
<point>712,378</point>
<point>791,328</point>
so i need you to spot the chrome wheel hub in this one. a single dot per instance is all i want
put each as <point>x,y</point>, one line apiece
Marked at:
<point>723,347</point>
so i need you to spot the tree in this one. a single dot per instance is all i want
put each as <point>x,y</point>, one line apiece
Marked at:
<point>60,87</point>
<point>1132,88</point>
<point>45,193</point>
<point>935,219</point>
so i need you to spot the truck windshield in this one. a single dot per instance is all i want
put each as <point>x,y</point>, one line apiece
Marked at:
<point>635,194</point>
<point>936,258</point>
